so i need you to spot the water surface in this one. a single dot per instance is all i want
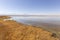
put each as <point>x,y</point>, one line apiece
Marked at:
<point>50,23</point>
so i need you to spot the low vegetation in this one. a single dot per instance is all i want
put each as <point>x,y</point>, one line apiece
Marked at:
<point>11,30</point>
<point>4,17</point>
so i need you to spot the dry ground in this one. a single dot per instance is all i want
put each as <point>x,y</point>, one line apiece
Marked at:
<point>11,30</point>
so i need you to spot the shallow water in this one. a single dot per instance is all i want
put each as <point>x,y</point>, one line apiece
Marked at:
<point>50,23</point>
<point>52,20</point>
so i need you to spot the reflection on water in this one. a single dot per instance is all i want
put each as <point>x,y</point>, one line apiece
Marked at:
<point>46,22</point>
<point>54,20</point>
<point>49,23</point>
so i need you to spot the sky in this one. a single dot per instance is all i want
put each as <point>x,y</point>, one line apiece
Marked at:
<point>28,7</point>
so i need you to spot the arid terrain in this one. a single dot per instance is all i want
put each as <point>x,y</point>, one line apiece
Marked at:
<point>12,30</point>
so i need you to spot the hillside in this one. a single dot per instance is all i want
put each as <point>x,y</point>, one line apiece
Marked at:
<point>4,17</point>
<point>11,30</point>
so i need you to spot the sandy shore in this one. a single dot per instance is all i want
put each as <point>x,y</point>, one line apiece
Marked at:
<point>12,30</point>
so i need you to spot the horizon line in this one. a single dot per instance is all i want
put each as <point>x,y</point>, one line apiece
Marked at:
<point>34,15</point>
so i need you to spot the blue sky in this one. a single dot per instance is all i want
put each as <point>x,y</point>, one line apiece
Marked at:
<point>29,7</point>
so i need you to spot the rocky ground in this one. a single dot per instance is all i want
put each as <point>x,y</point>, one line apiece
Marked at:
<point>11,30</point>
